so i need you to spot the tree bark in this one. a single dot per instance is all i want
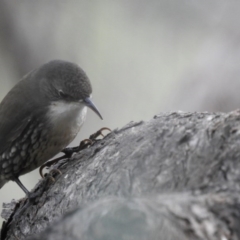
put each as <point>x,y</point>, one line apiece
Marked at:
<point>174,177</point>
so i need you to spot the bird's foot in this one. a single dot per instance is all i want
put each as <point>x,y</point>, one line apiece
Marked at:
<point>95,135</point>
<point>68,152</point>
<point>86,142</point>
<point>48,164</point>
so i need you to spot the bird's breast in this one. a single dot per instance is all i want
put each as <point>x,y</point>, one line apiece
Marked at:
<point>66,119</point>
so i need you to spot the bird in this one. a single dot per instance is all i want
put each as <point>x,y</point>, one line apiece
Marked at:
<point>40,116</point>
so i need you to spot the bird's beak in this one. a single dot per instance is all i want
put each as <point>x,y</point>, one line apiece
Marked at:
<point>88,102</point>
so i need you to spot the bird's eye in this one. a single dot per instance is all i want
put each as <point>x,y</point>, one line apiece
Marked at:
<point>62,94</point>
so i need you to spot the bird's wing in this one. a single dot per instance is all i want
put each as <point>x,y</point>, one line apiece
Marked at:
<point>16,114</point>
<point>13,121</point>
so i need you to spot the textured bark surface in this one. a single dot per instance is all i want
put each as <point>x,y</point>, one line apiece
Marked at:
<point>176,176</point>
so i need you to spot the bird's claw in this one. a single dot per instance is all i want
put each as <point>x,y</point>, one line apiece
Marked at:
<point>95,135</point>
<point>49,164</point>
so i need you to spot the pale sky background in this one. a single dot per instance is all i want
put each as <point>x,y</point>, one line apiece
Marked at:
<point>143,57</point>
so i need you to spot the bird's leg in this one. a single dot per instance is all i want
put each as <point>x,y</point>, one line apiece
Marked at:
<point>30,195</point>
<point>69,151</point>
<point>19,183</point>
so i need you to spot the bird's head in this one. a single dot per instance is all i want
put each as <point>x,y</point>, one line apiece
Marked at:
<point>65,82</point>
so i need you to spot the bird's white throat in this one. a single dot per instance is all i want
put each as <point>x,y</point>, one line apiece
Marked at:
<point>67,115</point>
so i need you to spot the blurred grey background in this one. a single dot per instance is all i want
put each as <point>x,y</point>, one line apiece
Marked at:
<point>143,57</point>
